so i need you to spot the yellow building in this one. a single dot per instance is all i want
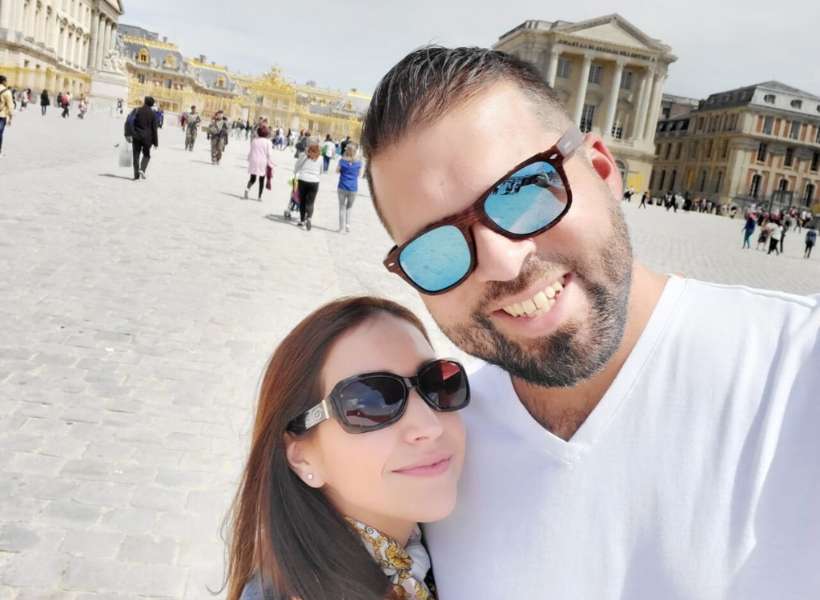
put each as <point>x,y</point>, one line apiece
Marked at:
<point>59,45</point>
<point>157,67</point>
<point>609,75</point>
<point>758,144</point>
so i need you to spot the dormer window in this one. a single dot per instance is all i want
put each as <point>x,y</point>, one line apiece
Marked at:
<point>143,56</point>
<point>169,62</point>
<point>769,98</point>
<point>220,82</point>
<point>797,104</point>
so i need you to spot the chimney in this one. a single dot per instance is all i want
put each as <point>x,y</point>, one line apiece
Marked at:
<point>202,58</point>
<point>165,39</point>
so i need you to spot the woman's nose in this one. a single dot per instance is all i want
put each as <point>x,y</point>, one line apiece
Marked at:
<point>420,422</point>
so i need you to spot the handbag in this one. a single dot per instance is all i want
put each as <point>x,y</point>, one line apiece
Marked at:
<point>268,176</point>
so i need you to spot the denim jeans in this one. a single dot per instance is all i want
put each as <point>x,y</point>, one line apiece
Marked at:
<point>346,200</point>
<point>326,160</point>
<point>2,129</point>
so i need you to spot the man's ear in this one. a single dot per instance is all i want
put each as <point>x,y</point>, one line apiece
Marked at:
<point>301,461</point>
<point>604,164</point>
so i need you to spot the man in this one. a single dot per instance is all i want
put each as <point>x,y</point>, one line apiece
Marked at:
<point>631,436</point>
<point>644,196</point>
<point>811,240</point>
<point>192,122</point>
<point>328,150</point>
<point>6,108</point>
<point>218,134</point>
<point>141,131</point>
<point>344,144</point>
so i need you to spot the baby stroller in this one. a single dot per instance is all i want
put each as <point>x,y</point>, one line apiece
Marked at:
<point>293,203</point>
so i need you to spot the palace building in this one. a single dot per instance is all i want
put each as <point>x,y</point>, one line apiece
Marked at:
<point>157,67</point>
<point>57,44</point>
<point>758,145</point>
<point>610,76</point>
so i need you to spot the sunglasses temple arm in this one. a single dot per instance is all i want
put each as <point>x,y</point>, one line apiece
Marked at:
<point>317,414</point>
<point>570,141</point>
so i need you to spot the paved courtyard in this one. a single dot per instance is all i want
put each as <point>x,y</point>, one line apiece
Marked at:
<point>136,319</point>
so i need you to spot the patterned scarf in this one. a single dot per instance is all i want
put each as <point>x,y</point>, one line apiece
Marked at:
<point>406,567</point>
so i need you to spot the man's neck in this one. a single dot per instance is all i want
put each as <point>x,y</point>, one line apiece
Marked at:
<point>562,411</point>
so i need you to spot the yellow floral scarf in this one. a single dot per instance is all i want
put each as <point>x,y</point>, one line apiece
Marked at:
<point>406,566</point>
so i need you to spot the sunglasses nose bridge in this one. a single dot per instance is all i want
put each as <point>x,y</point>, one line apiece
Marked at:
<point>420,420</point>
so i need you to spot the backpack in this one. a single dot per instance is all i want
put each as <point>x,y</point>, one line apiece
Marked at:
<point>129,123</point>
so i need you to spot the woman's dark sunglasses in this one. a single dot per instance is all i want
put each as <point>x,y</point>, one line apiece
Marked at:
<point>528,200</point>
<point>373,401</point>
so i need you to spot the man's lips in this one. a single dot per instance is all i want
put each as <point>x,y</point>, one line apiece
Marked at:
<point>429,466</point>
<point>537,298</point>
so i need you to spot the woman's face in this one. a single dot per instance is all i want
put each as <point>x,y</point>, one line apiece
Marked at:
<point>369,476</point>
<point>313,153</point>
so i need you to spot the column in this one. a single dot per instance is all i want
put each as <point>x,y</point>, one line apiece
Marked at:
<point>98,43</point>
<point>612,99</point>
<point>582,89</point>
<point>112,42</point>
<point>95,34</point>
<point>654,106</point>
<point>5,14</point>
<point>106,38</point>
<point>28,23</point>
<point>639,116</point>
<point>552,67</point>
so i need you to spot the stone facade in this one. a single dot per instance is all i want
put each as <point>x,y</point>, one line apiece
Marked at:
<point>758,144</point>
<point>57,44</point>
<point>158,68</point>
<point>609,75</point>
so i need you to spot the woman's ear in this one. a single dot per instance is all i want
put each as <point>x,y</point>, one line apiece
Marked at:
<point>604,165</point>
<point>301,460</point>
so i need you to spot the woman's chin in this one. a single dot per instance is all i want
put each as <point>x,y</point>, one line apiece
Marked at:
<point>437,510</point>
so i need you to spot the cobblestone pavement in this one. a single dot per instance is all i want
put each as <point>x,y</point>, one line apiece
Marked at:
<point>136,318</point>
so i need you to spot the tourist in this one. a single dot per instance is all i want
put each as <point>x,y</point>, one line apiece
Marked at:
<point>775,233</point>
<point>82,108</point>
<point>141,132</point>
<point>260,162</point>
<point>23,98</point>
<point>306,173</point>
<point>65,104</point>
<point>811,239</point>
<point>218,134</point>
<point>626,423</point>
<point>748,230</point>
<point>357,439</point>
<point>302,144</point>
<point>348,168</point>
<point>763,238</point>
<point>644,196</point>
<point>191,126</point>
<point>328,150</point>
<point>45,102</point>
<point>6,109</point>
<point>160,117</point>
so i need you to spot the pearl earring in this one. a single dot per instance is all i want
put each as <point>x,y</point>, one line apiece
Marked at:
<point>310,476</point>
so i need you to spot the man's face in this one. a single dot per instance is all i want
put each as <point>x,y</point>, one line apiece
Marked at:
<point>438,170</point>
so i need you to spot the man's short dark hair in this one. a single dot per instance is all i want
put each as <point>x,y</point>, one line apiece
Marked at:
<point>3,79</point>
<point>149,101</point>
<point>431,81</point>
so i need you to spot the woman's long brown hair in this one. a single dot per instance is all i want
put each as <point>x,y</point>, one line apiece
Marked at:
<point>280,529</point>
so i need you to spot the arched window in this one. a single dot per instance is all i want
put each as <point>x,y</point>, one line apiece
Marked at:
<point>754,190</point>
<point>808,195</point>
<point>769,98</point>
<point>783,186</point>
<point>143,56</point>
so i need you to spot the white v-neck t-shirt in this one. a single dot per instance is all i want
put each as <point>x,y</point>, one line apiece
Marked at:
<point>696,477</point>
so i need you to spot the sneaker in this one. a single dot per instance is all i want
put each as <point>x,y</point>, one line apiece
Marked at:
<point>347,228</point>
<point>307,224</point>
<point>300,224</point>
<point>142,175</point>
<point>245,195</point>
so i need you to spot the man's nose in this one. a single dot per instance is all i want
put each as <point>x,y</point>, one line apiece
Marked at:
<point>499,258</point>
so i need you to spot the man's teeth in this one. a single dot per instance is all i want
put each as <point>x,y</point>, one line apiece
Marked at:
<point>538,304</point>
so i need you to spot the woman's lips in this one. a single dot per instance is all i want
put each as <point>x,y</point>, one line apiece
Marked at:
<point>436,467</point>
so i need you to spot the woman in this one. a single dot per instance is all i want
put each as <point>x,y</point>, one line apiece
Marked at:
<point>306,172</point>
<point>355,441</point>
<point>348,169</point>
<point>260,160</point>
<point>45,101</point>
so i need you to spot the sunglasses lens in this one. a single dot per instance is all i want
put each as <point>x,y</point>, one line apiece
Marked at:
<point>437,259</point>
<point>530,199</point>
<point>444,383</point>
<point>371,402</point>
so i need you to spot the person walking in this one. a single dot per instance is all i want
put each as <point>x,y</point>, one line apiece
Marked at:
<point>644,196</point>
<point>763,238</point>
<point>82,108</point>
<point>6,108</point>
<point>775,233</point>
<point>328,150</point>
<point>45,102</point>
<point>348,168</point>
<point>218,134</point>
<point>306,172</point>
<point>192,121</point>
<point>811,240</point>
<point>260,161</point>
<point>748,230</point>
<point>65,104</point>
<point>141,132</point>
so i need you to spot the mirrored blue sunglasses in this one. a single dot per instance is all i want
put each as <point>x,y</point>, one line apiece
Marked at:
<point>532,197</point>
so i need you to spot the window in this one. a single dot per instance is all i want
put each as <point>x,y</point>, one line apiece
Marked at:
<point>587,117</point>
<point>768,124</point>
<point>657,149</point>
<point>708,150</point>
<point>797,104</point>
<point>626,80</point>
<point>693,150</point>
<point>618,127</point>
<point>678,151</point>
<point>663,178</point>
<point>672,181</point>
<point>817,134</point>
<point>783,186</point>
<point>754,190</point>
<point>220,82</point>
<point>724,151</point>
<point>703,175</point>
<point>700,123</point>
<point>668,151</point>
<point>143,56</point>
<point>815,161</point>
<point>652,180</point>
<point>563,68</point>
<point>769,98</point>
<point>169,62</point>
<point>761,152</point>
<point>169,83</point>
<point>808,194</point>
<point>595,73</point>
<point>788,160</point>
<point>141,78</point>
<point>794,132</point>
<point>718,181</point>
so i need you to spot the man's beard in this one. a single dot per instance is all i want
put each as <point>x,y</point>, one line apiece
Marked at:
<point>567,356</point>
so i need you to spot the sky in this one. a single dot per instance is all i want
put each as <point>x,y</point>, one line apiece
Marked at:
<point>343,44</point>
